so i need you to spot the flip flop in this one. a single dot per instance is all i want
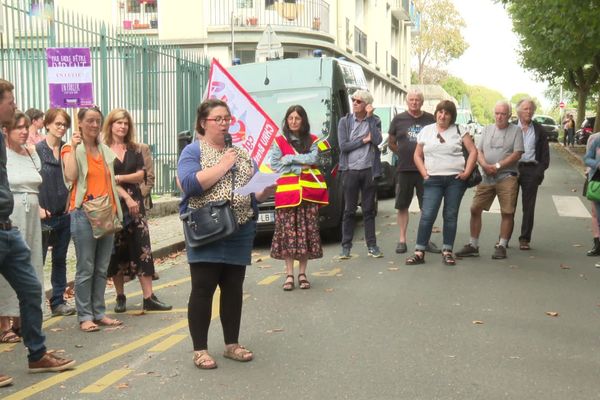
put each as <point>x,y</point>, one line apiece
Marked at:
<point>108,322</point>
<point>92,327</point>
<point>9,336</point>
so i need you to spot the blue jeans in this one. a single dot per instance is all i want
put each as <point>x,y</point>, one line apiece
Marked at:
<point>16,267</point>
<point>435,189</point>
<point>359,183</point>
<point>61,234</point>
<point>93,256</point>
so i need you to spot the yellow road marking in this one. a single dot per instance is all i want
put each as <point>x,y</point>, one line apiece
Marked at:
<point>49,322</point>
<point>154,287</point>
<point>167,343</point>
<point>95,362</point>
<point>332,272</point>
<point>268,280</point>
<point>106,381</point>
<point>111,355</point>
<point>5,347</point>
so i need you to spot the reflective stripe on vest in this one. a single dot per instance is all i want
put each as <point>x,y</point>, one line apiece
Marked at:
<point>292,189</point>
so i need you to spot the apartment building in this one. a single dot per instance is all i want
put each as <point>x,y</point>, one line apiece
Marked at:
<point>375,34</point>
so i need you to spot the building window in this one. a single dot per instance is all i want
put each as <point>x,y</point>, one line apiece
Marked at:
<point>140,6</point>
<point>246,56</point>
<point>245,3</point>
<point>290,54</point>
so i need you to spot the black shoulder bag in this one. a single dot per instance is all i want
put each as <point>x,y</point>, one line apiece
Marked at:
<point>212,222</point>
<point>475,177</point>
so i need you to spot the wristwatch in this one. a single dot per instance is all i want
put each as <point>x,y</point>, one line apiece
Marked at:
<point>497,165</point>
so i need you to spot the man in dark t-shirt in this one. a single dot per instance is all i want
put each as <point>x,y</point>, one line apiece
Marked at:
<point>403,132</point>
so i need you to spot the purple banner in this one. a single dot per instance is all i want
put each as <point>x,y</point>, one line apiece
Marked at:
<point>70,77</point>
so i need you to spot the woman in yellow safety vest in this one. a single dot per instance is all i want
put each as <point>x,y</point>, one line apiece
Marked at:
<point>301,190</point>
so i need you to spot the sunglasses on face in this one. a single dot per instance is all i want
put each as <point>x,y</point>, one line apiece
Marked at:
<point>357,101</point>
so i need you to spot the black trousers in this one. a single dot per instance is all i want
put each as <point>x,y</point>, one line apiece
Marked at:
<point>205,278</point>
<point>355,183</point>
<point>529,181</point>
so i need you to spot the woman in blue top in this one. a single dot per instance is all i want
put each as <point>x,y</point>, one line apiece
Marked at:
<point>205,172</point>
<point>592,160</point>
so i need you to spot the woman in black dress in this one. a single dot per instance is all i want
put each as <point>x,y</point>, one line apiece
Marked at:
<point>132,256</point>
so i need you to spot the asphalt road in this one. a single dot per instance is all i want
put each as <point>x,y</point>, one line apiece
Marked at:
<point>369,328</point>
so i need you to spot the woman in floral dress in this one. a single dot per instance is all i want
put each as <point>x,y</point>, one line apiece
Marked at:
<point>301,190</point>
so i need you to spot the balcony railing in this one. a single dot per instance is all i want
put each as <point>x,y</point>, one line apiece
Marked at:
<point>305,14</point>
<point>138,14</point>
<point>360,41</point>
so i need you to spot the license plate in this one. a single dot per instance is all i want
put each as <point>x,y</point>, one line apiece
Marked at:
<point>266,217</point>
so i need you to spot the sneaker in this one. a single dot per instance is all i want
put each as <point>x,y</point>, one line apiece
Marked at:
<point>50,363</point>
<point>401,248</point>
<point>468,250</point>
<point>374,252</point>
<point>432,248</point>
<point>499,252</point>
<point>5,380</point>
<point>121,305</point>
<point>345,254</point>
<point>63,310</point>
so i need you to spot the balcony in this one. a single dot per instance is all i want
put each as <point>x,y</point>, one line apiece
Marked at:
<point>138,14</point>
<point>309,15</point>
<point>405,10</point>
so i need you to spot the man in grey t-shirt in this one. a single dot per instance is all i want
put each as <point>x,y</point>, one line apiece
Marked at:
<point>500,148</point>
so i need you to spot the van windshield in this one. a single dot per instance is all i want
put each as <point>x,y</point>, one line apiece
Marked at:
<point>314,100</point>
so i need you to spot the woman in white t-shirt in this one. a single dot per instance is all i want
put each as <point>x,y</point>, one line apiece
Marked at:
<point>439,159</point>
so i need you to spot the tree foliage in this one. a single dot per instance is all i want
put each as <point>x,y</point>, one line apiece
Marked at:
<point>559,42</point>
<point>440,39</point>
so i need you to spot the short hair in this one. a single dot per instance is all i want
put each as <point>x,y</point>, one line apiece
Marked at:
<point>449,107</point>
<point>12,124</point>
<point>111,118</point>
<point>204,110</point>
<point>417,93</point>
<point>363,95</point>
<point>504,103</point>
<point>53,113</point>
<point>5,86</point>
<point>526,99</point>
<point>34,113</point>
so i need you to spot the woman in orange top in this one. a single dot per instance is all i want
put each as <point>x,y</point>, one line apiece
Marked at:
<point>88,167</point>
<point>300,191</point>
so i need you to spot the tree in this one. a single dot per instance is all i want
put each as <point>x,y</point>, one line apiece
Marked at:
<point>557,49</point>
<point>440,39</point>
<point>455,87</point>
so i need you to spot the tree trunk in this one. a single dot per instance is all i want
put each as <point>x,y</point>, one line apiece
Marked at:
<point>597,124</point>
<point>582,95</point>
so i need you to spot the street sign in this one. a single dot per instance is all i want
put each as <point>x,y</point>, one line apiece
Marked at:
<point>561,104</point>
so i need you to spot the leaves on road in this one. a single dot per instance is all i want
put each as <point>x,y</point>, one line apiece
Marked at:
<point>275,330</point>
<point>552,313</point>
<point>329,290</point>
<point>477,322</point>
<point>565,266</point>
<point>393,269</point>
<point>123,385</point>
<point>577,245</point>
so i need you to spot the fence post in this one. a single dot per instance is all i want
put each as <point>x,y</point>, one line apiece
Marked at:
<point>145,89</point>
<point>104,69</point>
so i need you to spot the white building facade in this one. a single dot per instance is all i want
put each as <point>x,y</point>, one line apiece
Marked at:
<point>376,34</point>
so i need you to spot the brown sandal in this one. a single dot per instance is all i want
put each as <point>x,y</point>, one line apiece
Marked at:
<point>448,258</point>
<point>303,283</point>
<point>238,353</point>
<point>203,360</point>
<point>288,286</point>
<point>108,322</point>
<point>88,326</point>
<point>416,259</point>
<point>8,336</point>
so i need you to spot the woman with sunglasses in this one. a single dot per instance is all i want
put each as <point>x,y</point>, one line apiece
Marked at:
<point>207,170</point>
<point>89,169</point>
<point>439,158</point>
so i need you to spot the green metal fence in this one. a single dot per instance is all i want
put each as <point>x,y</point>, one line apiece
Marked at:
<point>161,85</point>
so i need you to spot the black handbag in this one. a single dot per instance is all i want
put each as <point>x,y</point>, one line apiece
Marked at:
<point>212,222</point>
<point>475,178</point>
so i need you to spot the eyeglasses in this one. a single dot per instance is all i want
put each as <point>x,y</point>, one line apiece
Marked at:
<point>61,125</point>
<point>357,101</point>
<point>441,139</point>
<point>219,120</point>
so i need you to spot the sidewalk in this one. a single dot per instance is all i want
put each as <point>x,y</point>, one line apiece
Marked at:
<point>166,236</point>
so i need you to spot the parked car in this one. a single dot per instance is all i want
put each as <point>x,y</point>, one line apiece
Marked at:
<point>386,185</point>
<point>549,125</point>
<point>587,128</point>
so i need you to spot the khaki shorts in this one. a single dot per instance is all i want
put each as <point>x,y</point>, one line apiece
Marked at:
<point>506,190</point>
